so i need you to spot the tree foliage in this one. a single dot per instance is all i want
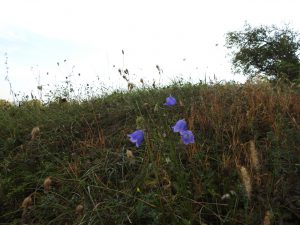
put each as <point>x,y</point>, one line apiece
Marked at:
<point>265,50</point>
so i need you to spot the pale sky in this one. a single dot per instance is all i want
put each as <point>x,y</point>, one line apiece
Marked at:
<point>178,35</point>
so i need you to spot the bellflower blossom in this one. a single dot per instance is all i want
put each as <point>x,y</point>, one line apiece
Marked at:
<point>180,126</point>
<point>170,101</point>
<point>137,137</point>
<point>187,137</point>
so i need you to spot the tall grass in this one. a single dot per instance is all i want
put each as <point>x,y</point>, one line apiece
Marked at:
<point>80,167</point>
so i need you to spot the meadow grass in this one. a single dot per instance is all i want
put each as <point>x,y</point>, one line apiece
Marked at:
<point>72,162</point>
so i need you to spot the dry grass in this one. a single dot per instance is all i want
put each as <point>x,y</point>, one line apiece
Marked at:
<point>247,144</point>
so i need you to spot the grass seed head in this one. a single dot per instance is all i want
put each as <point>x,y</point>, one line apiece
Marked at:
<point>156,108</point>
<point>27,202</point>
<point>140,123</point>
<point>130,86</point>
<point>246,181</point>
<point>35,132</point>
<point>130,157</point>
<point>254,157</point>
<point>79,209</point>
<point>129,154</point>
<point>267,218</point>
<point>47,184</point>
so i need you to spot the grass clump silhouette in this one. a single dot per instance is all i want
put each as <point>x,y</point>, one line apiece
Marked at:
<point>79,166</point>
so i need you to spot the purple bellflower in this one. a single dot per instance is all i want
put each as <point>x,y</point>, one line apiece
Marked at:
<point>137,137</point>
<point>180,126</point>
<point>187,137</point>
<point>170,101</point>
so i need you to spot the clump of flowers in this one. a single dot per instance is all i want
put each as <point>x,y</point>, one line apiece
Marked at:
<point>180,127</point>
<point>187,136</point>
<point>170,101</point>
<point>137,137</point>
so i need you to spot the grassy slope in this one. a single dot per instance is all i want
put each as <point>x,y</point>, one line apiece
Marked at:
<point>83,148</point>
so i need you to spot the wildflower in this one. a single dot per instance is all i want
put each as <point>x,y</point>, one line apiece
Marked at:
<point>170,101</point>
<point>180,126</point>
<point>187,137</point>
<point>137,137</point>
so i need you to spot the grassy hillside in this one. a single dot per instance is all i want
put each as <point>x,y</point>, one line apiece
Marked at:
<point>73,163</point>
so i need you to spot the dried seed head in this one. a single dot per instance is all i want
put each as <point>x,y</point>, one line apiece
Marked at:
<point>225,196</point>
<point>156,108</point>
<point>130,86</point>
<point>27,202</point>
<point>34,132</point>
<point>246,181</point>
<point>165,181</point>
<point>130,157</point>
<point>267,218</point>
<point>140,123</point>
<point>47,184</point>
<point>254,157</point>
<point>181,103</point>
<point>142,81</point>
<point>129,154</point>
<point>79,209</point>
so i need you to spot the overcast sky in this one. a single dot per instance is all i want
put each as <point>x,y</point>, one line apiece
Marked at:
<point>185,38</point>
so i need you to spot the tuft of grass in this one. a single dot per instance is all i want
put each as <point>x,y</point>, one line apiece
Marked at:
<point>73,162</point>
